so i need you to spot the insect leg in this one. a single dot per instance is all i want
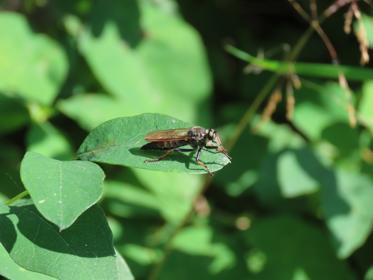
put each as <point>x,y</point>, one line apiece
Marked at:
<point>201,163</point>
<point>166,154</point>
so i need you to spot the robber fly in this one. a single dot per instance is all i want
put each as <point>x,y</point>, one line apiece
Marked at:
<point>174,139</point>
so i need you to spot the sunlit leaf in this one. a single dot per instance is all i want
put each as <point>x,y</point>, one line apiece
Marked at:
<point>101,108</point>
<point>288,174</point>
<point>207,252</point>
<point>147,57</point>
<point>347,204</point>
<point>297,173</point>
<point>319,107</point>
<point>173,193</point>
<point>119,142</point>
<point>32,66</point>
<point>84,251</point>
<point>47,140</point>
<point>61,190</point>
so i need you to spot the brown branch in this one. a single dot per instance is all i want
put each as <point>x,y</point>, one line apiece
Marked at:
<point>333,8</point>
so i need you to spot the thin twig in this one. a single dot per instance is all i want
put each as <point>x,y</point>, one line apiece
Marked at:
<point>296,6</point>
<point>316,25</point>
<point>16,198</point>
<point>313,8</point>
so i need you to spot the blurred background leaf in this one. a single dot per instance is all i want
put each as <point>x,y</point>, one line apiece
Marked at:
<point>32,66</point>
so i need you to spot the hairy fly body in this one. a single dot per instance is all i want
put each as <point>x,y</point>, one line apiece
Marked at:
<point>174,139</point>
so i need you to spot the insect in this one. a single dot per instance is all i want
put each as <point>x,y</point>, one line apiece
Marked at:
<point>174,139</point>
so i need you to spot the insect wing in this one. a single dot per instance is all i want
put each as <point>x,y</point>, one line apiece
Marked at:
<point>168,135</point>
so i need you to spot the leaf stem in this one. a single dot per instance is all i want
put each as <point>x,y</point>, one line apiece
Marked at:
<point>17,197</point>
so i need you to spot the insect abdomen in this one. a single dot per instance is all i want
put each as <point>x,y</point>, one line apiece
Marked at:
<point>164,145</point>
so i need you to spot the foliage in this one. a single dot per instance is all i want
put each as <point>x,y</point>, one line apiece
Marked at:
<point>82,82</point>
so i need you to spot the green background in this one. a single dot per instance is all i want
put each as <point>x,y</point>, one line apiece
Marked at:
<point>297,200</point>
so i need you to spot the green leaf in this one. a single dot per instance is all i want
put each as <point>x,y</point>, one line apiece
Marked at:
<point>288,174</point>
<point>206,252</point>
<point>369,274</point>
<point>45,139</point>
<point>295,173</point>
<point>280,136</point>
<point>32,66</point>
<point>319,107</point>
<point>11,270</point>
<point>243,172</point>
<point>61,190</point>
<point>347,205</point>
<point>174,193</point>
<point>84,251</point>
<point>286,247</point>
<point>102,108</point>
<point>119,142</point>
<point>153,57</point>
<point>147,193</point>
<point>366,105</point>
<point>140,193</point>
<point>125,199</point>
<point>247,155</point>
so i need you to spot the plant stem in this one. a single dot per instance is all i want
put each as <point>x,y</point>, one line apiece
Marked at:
<point>242,124</point>
<point>17,197</point>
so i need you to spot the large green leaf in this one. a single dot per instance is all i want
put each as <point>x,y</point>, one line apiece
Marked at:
<point>61,190</point>
<point>31,65</point>
<point>119,141</point>
<point>286,247</point>
<point>11,270</point>
<point>347,204</point>
<point>84,251</point>
<point>147,57</point>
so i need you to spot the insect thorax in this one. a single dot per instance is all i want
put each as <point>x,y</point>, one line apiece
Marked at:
<point>197,134</point>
